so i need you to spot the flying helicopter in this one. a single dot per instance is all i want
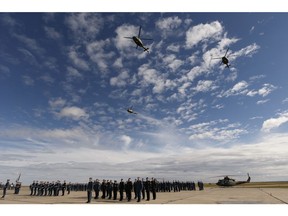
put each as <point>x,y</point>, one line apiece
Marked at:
<point>228,182</point>
<point>224,59</point>
<point>138,40</point>
<point>130,110</point>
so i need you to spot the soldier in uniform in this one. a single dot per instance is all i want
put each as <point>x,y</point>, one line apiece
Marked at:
<point>121,189</point>
<point>96,188</point>
<point>103,189</point>
<point>129,187</point>
<point>5,187</point>
<point>32,187</point>
<point>153,188</point>
<point>115,190</point>
<point>17,187</point>
<point>63,188</point>
<point>138,186</point>
<point>143,189</point>
<point>110,189</point>
<point>69,186</point>
<point>147,188</point>
<point>89,190</point>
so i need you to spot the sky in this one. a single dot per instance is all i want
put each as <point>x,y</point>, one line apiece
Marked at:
<point>67,79</point>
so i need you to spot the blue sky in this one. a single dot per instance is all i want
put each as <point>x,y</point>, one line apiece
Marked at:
<point>66,80</point>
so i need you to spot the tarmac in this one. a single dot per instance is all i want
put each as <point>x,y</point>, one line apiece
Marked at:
<point>210,195</point>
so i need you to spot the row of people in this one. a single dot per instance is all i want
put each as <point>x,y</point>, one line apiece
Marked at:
<point>45,188</point>
<point>110,189</point>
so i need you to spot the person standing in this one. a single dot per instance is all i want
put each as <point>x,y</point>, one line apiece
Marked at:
<point>96,188</point>
<point>89,190</point>
<point>121,189</point>
<point>115,190</point>
<point>5,188</point>
<point>143,189</point>
<point>138,186</point>
<point>147,188</point>
<point>63,187</point>
<point>153,188</point>
<point>129,187</point>
<point>32,188</point>
<point>103,189</point>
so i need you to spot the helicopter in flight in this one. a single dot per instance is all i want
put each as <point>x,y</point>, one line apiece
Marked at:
<point>228,182</point>
<point>138,40</point>
<point>130,110</point>
<point>224,59</point>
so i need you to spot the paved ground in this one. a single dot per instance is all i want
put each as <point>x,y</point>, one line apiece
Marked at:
<point>213,195</point>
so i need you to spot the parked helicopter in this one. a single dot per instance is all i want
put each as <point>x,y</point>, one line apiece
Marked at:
<point>138,41</point>
<point>130,110</point>
<point>224,59</point>
<point>228,182</point>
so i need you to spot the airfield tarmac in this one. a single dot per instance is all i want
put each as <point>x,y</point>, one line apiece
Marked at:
<point>210,195</point>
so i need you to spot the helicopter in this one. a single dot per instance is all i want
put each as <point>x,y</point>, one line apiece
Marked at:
<point>224,59</point>
<point>130,110</point>
<point>138,41</point>
<point>228,182</point>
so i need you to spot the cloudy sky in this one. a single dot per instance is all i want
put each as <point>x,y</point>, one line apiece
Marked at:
<point>66,80</point>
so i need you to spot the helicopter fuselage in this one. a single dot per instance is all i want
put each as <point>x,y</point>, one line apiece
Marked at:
<point>138,41</point>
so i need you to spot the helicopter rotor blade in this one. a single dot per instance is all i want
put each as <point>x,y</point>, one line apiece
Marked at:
<point>226,52</point>
<point>146,39</point>
<point>217,58</point>
<point>139,33</point>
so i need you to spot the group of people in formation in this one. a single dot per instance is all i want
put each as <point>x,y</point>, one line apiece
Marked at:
<point>46,188</point>
<point>142,189</point>
<point>109,189</point>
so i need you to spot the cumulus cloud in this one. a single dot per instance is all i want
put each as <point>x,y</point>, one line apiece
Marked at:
<point>73,112</point>
<point>204,86</point>
<point>78,61</point>
<point>214,130</point>
<point>96,52</point>
<point>264,91</point>
<point>273,123</point>
<point>84,25</point>
<point>202,32</point>
<point>239,88</point>
<point>52,33</point>
<point>120,80</point>
<point>168,23</point>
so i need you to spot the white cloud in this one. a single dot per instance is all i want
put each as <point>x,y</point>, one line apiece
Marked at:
<point>73,73</point>
<point>264,91</point>
<point>52,33</point>
<point>84,25</point>
<point>204,86</point>
<point>173,48</point>
<point>27,80</point>
<point>215,131</point>
<point>239,88</point>
<point>73,112</point>
<point>203,32</point>
<point>272,123</point>
<point>262,101</point>
<point>120,80</point>
<point>96,52</point>
<point>77,61</point>
<point>126,140</point>
<point>246,51</point>
<point>169,23</point>
<point>123,31</point>
<point>57,103</point>
<point>172,62</point>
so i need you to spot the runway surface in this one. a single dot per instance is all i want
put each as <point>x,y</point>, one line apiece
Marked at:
<point>211,195</point>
